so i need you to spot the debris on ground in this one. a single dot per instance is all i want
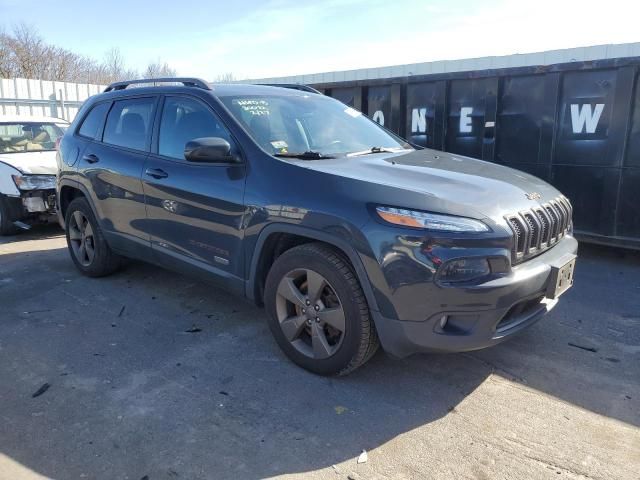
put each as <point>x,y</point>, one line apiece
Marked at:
<point>41,390</point>
<point>363,457</point>
<point>193,329</point>
<point>582,347</point>
<point>121,311</point>
<point>340,409</point>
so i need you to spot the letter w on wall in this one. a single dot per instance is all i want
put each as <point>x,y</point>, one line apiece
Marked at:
<point>584,119</point>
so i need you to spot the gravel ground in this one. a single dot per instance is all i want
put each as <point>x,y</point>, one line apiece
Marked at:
<point>150,375</point>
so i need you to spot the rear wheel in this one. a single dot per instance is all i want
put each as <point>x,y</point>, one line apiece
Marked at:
<point>318,313</point>
<point>87,245</point>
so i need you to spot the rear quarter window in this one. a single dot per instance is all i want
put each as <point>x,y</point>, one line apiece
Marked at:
<point>94,120</point>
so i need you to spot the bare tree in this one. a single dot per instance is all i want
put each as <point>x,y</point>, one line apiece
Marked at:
<point>7,64</point>
<point>158,69</point>
<point>30,51</point>
<point>225,78</point>
<point>23,53</point>
<point>114,64</point>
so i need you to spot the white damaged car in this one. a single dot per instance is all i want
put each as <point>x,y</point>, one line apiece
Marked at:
<point>28,170</point>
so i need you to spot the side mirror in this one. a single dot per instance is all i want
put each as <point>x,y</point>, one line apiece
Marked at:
<point>209,149</point>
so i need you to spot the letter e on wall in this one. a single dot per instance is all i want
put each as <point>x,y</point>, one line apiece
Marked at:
<point>465,120</point>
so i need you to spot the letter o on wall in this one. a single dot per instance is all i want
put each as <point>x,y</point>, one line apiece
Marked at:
<point>378,117</point>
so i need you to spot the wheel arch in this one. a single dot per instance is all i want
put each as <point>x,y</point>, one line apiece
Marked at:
<point>67,192</point>
<point>275,239</point>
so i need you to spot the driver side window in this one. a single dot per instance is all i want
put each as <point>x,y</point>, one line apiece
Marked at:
<point>184,119</point>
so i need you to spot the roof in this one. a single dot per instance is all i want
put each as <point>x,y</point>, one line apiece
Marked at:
<point>30,118</point>
<point>217,89</point>
<point>550,57</point>
<point>233,89</point>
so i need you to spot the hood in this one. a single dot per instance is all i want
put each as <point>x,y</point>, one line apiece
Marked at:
<point>452,183</point>
<point>36,163</point>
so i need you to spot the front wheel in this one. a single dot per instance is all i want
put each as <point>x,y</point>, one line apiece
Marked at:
<point>6,221</point>
<point>318,313</point>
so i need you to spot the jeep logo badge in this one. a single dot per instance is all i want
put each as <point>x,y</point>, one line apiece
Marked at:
<point>533,196</point>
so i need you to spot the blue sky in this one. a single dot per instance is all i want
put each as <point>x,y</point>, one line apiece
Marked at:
<point>254,39</point>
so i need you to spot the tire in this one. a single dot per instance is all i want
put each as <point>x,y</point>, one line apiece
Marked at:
<point>330,343</point>
<point>102,261</point>
<point>6,218</point>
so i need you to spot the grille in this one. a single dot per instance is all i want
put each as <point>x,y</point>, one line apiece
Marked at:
<point>538,229</point>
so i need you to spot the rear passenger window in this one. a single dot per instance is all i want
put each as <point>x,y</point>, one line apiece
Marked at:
<point>94,120</point>
<point>129,123</point>
<point>184,119</point>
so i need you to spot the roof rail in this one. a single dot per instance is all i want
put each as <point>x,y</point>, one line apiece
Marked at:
<point>293,86</point>
<point>187,82</point>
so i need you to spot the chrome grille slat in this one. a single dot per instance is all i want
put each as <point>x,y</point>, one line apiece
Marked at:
<point>538,229</point>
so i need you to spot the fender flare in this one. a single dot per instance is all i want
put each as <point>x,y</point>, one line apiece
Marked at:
<point>342,245</point>
<point>77,186</point>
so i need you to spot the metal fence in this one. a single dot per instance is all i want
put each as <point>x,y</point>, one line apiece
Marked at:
<point>27,97</point>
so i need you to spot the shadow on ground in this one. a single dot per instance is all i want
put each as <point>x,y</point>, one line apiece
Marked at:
<point>152,373</point>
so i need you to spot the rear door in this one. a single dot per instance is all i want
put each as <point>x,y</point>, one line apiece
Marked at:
<point>195,210</point>
<point>112,168</point>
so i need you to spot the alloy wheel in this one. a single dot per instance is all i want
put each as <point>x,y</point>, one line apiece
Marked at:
<point>81,238</point>
<point>310,313</point>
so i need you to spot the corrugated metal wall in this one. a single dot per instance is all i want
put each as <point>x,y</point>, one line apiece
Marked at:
<point>576,125</point>
<point>551,57</point>
<point>21,96</point>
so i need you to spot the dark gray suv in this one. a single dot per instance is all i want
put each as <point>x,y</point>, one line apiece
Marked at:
<point>347,234</point>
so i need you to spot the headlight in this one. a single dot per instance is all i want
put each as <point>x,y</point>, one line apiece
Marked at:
<point>464,270</point>
<point>34,182</point>
<point>430,221</point>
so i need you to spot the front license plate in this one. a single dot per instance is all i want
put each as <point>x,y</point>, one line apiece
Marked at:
<point>561,279</point>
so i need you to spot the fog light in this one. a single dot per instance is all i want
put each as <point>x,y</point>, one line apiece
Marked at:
<point>464,270</point>
<point>443,321</point>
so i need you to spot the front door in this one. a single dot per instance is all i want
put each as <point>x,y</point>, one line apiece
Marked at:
<point>194,210</point>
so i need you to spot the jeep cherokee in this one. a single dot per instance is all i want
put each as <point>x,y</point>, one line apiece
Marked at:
<point>348,235</point>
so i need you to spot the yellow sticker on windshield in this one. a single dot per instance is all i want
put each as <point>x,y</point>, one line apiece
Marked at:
<point>279,145</point>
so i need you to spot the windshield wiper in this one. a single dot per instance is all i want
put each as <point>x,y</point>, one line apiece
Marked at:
<point>377,150</point>
<point>310,155</point>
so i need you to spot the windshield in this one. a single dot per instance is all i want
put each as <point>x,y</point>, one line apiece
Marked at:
<point>16,137</point>
<point>293,124</point>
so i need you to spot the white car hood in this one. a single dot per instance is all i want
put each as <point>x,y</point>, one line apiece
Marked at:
<point>37,163</point>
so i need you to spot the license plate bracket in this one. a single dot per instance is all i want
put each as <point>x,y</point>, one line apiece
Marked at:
<point>561,278</point>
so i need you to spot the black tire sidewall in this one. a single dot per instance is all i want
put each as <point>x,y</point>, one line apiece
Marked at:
<point>343,288</point>
<point>6,222</point>
<point>103,262</point>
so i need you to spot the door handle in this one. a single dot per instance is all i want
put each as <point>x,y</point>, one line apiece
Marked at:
<point>91,158</point>
<point>156,173</point>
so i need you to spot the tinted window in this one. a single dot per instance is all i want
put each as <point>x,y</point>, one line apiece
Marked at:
<point>94,120</point>
<point>129,123</point>
<point>184,119</point>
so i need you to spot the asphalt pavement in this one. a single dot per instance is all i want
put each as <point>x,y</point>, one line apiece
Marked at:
<point>150,375</point>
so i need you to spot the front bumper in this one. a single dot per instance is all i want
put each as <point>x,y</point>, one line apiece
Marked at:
<point>477,316</point>
<point>33,206</point>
